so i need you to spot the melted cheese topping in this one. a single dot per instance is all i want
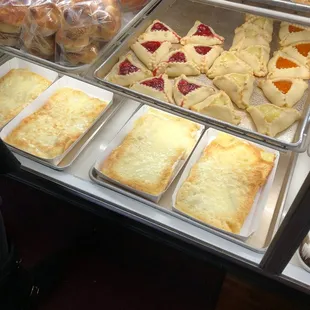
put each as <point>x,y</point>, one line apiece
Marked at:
<point>146,158</point>
<point>222,185</point>
<point>270,112</point>
<point>48,132</point>
<point>18,88</point>
<point>239,79</point>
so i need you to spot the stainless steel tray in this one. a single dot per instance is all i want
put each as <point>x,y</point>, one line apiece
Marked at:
<point>284,4</point>
<point>181,15</point>
<point>81,68</point>
<point>260,240</point>
<point>80,145</point>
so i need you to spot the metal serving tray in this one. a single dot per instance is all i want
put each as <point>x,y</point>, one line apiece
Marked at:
<point>260,240</point>
<point>181,15</point>
<point>76,150</point>
<point>284,4</point>
<point>82,68</point>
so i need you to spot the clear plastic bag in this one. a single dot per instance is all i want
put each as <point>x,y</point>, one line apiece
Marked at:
<point>85,26</point>
<point>12,15</point>
<point>41,23</point>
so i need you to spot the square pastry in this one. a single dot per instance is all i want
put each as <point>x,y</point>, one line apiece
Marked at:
<point>238,86</point>
<point>283,65</point>
<point>299,51</point>
<point>257,56</point>
<point>248,37</point>
<point>151,52</point>
<point>202,34</point>
<point>177,62</point>
<point>271,120</point>
<point>292,33</point>
<point>158,31</point>
<point>128,71</point>
<point>264,23</point>
<point>187,91</point>
<point>228,62</point>
<point>218,106</point>
<point>158,87</point>
<point>202,55</point>
<point>283,92</point>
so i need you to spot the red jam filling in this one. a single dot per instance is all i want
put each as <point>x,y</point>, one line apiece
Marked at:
<point>151,46</point>
<point>159,27</point>
<point>157,83</point>
<point>292,28</point>
<point>127,67</point>
<point>186,87</point>
<point>202,50</point>
<point>177,57</point>
<point>204,30</point>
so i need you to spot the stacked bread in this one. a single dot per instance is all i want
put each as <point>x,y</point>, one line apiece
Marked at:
<point>84,26</point>
<point>12,14</point>
<point>65,31</point>
<point>41,23</point>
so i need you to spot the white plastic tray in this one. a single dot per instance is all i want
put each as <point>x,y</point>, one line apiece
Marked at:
<point>41,100</point>
<point>16,63</point>
<point>253,219</point>
<point>119,139</point>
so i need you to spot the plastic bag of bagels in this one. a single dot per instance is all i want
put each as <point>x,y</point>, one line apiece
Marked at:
<point>41,23</point>
<point>12,15</point>
<point>85,28</point>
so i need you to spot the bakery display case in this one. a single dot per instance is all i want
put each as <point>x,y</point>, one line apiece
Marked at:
<point>212,85</point>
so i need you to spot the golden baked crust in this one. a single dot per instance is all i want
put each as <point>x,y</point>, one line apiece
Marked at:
<point>50,131</point>
<point>222,185</point>
<point>18,88</point>
<point>13,15</point>
<point>43,19</point>
<point>146,158</point>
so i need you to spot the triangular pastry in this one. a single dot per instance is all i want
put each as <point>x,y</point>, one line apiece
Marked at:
<point>158,87</point>
<point>248,37</point>
<point>270,119</point>
<point>176,63</point>
<point>218,106</point>
<point>238,86</point>
<point>187,92</point>
<point>249,26</point>
<point>228,62</point>
<point>202,55</point>
<point>158,31</point>
<point>292,33</point>
<point>151,52</point>
<point>264,23</point>
<point>128,71</point>
<point>257,56</point>
<point>283,92</point>
<point>299,51</point>
<point>282,65</point>
<point>202,34</point>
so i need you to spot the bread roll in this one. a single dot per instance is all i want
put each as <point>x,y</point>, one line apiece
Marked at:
<point>9,39</point>
<point>108,20</point>
<point>43,19</point>
<point>69,45</point>
<point>38,45</point>
<point>86,56</point>
<point>11,18</point>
